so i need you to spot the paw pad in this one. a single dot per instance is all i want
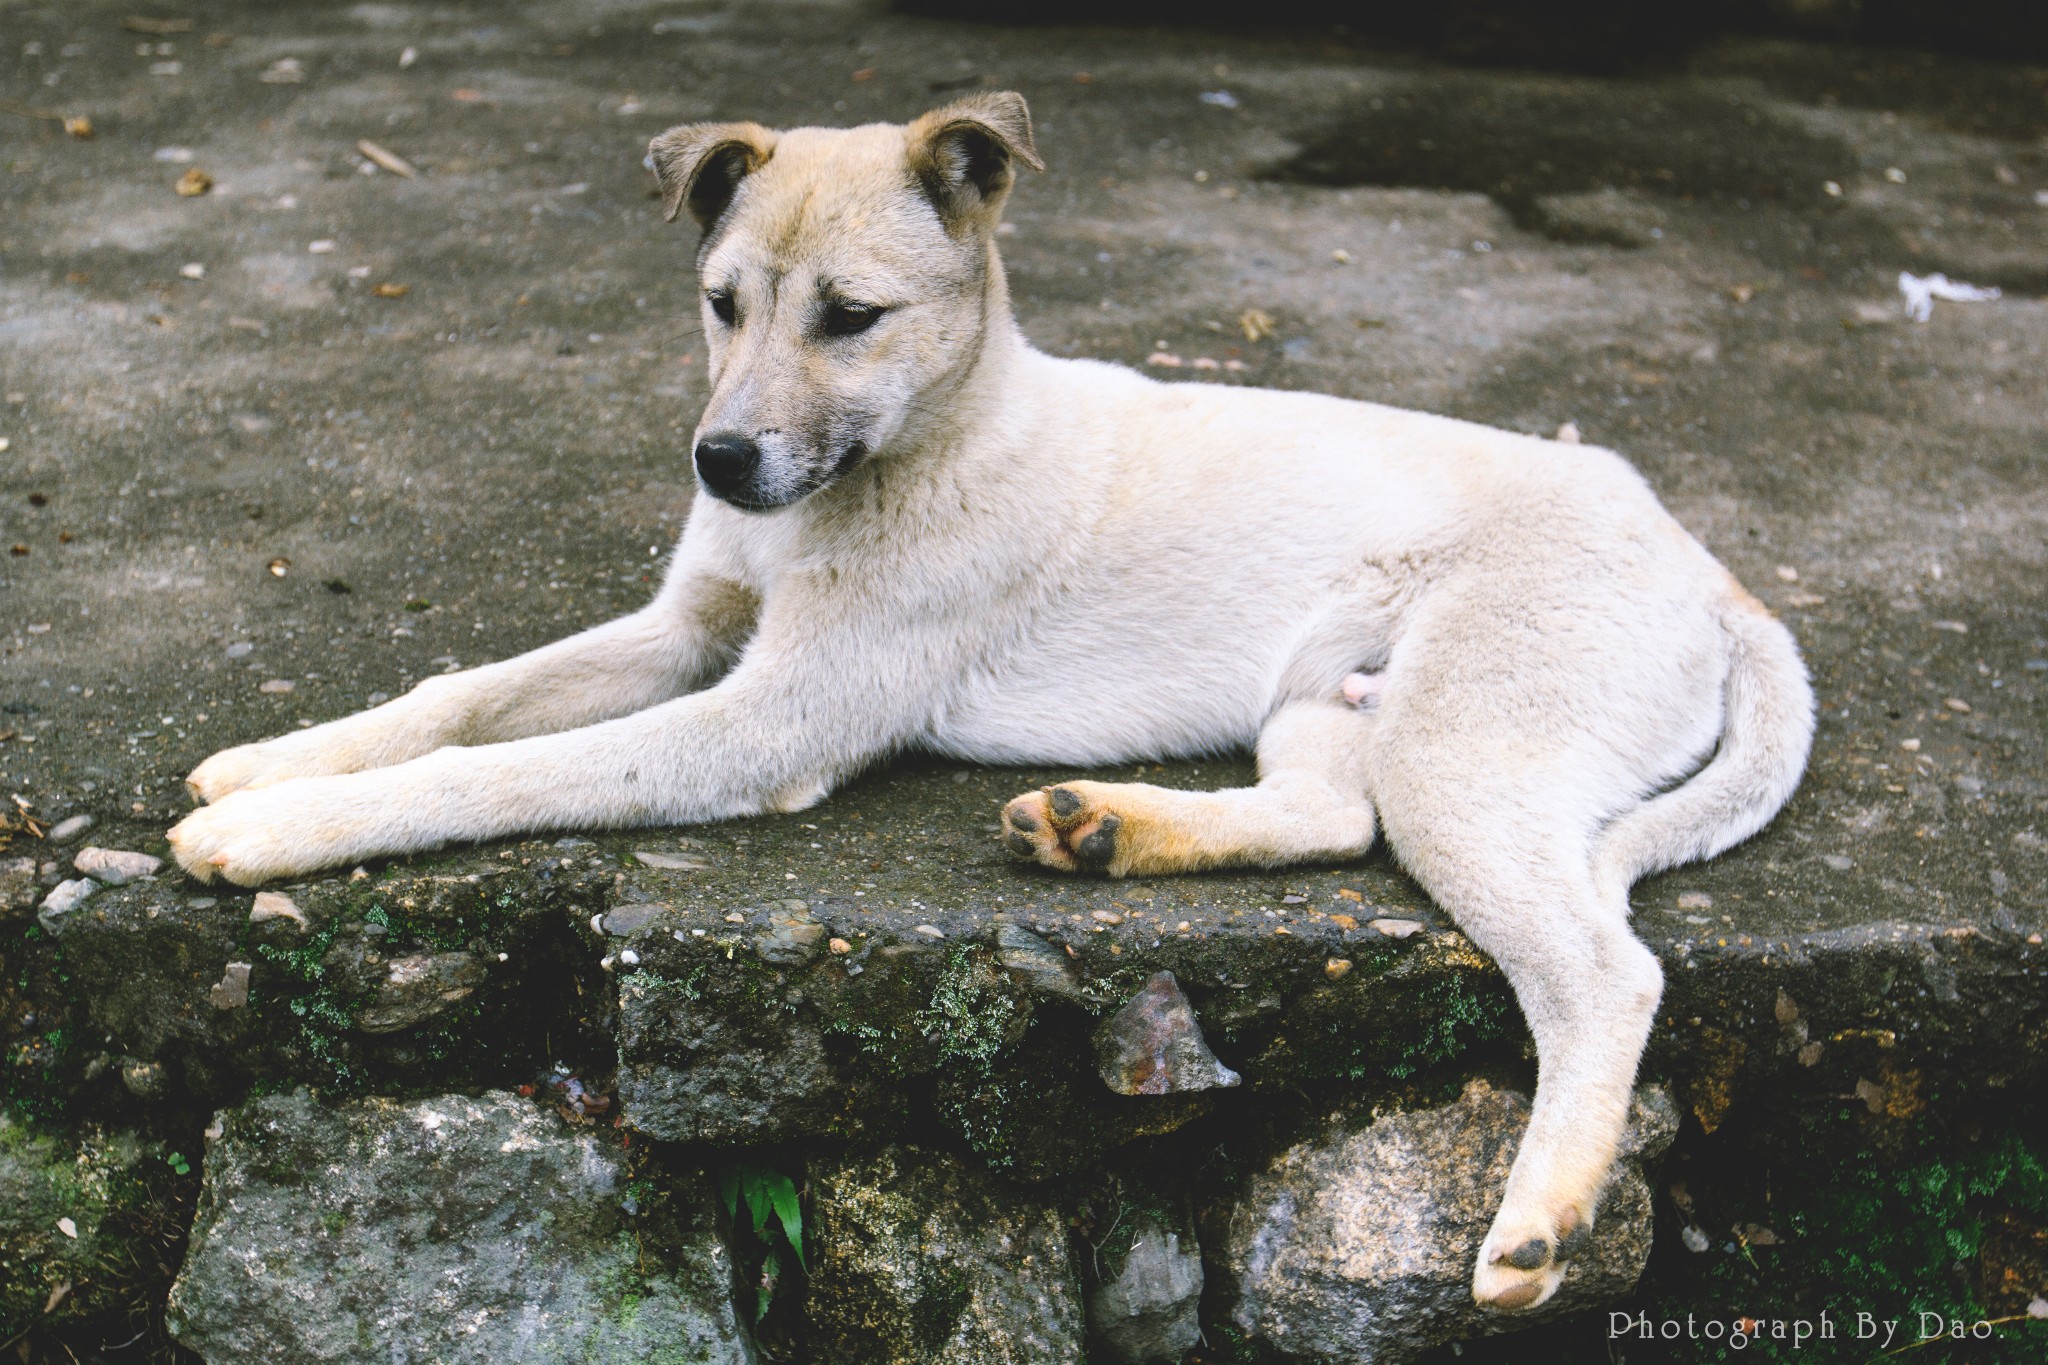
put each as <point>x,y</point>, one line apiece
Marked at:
<point>1574,1241</point>
<point>1098,846</point>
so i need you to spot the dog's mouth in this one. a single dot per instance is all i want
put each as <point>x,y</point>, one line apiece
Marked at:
<point>755,500</point>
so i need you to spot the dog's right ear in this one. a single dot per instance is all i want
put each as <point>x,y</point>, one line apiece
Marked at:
<point>700,165</point>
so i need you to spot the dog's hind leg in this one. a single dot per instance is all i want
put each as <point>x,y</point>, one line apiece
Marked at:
<point>1526,895</point>
<point>1311,803</point>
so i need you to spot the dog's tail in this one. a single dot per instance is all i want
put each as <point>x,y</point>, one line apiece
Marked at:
<point>1765,736</point>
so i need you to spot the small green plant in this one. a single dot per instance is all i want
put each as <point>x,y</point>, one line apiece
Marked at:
<point>176,1161</point>
<point>774,1218</point>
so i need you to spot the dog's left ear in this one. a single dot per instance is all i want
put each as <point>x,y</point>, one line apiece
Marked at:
<point>963,156</point>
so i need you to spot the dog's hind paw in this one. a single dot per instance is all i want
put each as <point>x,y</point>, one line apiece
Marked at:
<point>1516,1273</point>
<point>1069,827</point>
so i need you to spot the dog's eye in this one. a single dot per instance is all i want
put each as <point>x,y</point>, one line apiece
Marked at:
<point>723,306</point>
<point>844,319</point>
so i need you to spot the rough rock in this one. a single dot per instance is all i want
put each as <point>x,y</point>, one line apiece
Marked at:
<point>1150,1309</point>
<point>1154,1046</point>
<point>451,1229</point>
<point>18,885</point>
<point>1359,1245</point>
<point>922,1260</point>
<point>115,866</point>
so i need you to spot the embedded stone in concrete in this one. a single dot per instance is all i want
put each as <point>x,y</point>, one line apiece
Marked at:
<point>64,897</point>
<point>1036,963</point>
<point>1154,1046</point>
<point>231,992</point>
<point>418,987</point>
<point>115,866</point>
<point>1150,1309</point>
<point>270,905</point>
<point>1359,1245</point>
<point>791,937</point>
<point>922,1260</point>
<point>452,1229</point>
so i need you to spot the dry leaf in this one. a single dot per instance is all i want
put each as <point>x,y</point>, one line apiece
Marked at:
<point>391,291</point>
<point>78,125</point>
<point>193,183</point>
<point>1256,323</point>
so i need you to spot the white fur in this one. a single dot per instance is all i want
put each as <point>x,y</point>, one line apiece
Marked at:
<point>1064,562</point>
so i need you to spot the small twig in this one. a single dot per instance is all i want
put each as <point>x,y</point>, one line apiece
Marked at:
<point>29,111</point>
<point>389,160</point>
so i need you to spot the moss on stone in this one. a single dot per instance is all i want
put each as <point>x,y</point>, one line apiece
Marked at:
<point>89,1226</point>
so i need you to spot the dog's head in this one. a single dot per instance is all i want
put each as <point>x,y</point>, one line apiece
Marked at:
<point>848,279</point>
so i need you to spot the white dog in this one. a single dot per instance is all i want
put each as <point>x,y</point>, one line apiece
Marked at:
<point>913,530</point>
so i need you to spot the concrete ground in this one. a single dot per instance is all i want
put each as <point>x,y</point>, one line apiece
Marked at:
<point>282,448</point>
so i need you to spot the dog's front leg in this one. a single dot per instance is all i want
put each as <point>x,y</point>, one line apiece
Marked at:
<point>771,736</point>
<point>673,644</point>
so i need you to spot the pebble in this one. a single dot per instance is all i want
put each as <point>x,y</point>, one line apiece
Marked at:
<point>275,905</point>
<point>278,685</point>
<point>840,947</point>
<point>1397,928</point>
<point>69,828</point>
<point>1695,900</point>
<point>1840,862</point>
<point>1337,968</point>
<point>930,931</point>
<point>1106,916</point>
<point>241,649</point>
<point>115,867</point>
<point>63,899</point>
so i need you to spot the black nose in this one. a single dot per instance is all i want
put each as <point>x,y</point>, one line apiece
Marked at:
<point>726,463</point>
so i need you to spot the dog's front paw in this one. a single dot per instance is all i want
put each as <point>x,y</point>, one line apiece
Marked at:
<point>246,837</point>
<point>1521,1265</point>
<point>255,765</point>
